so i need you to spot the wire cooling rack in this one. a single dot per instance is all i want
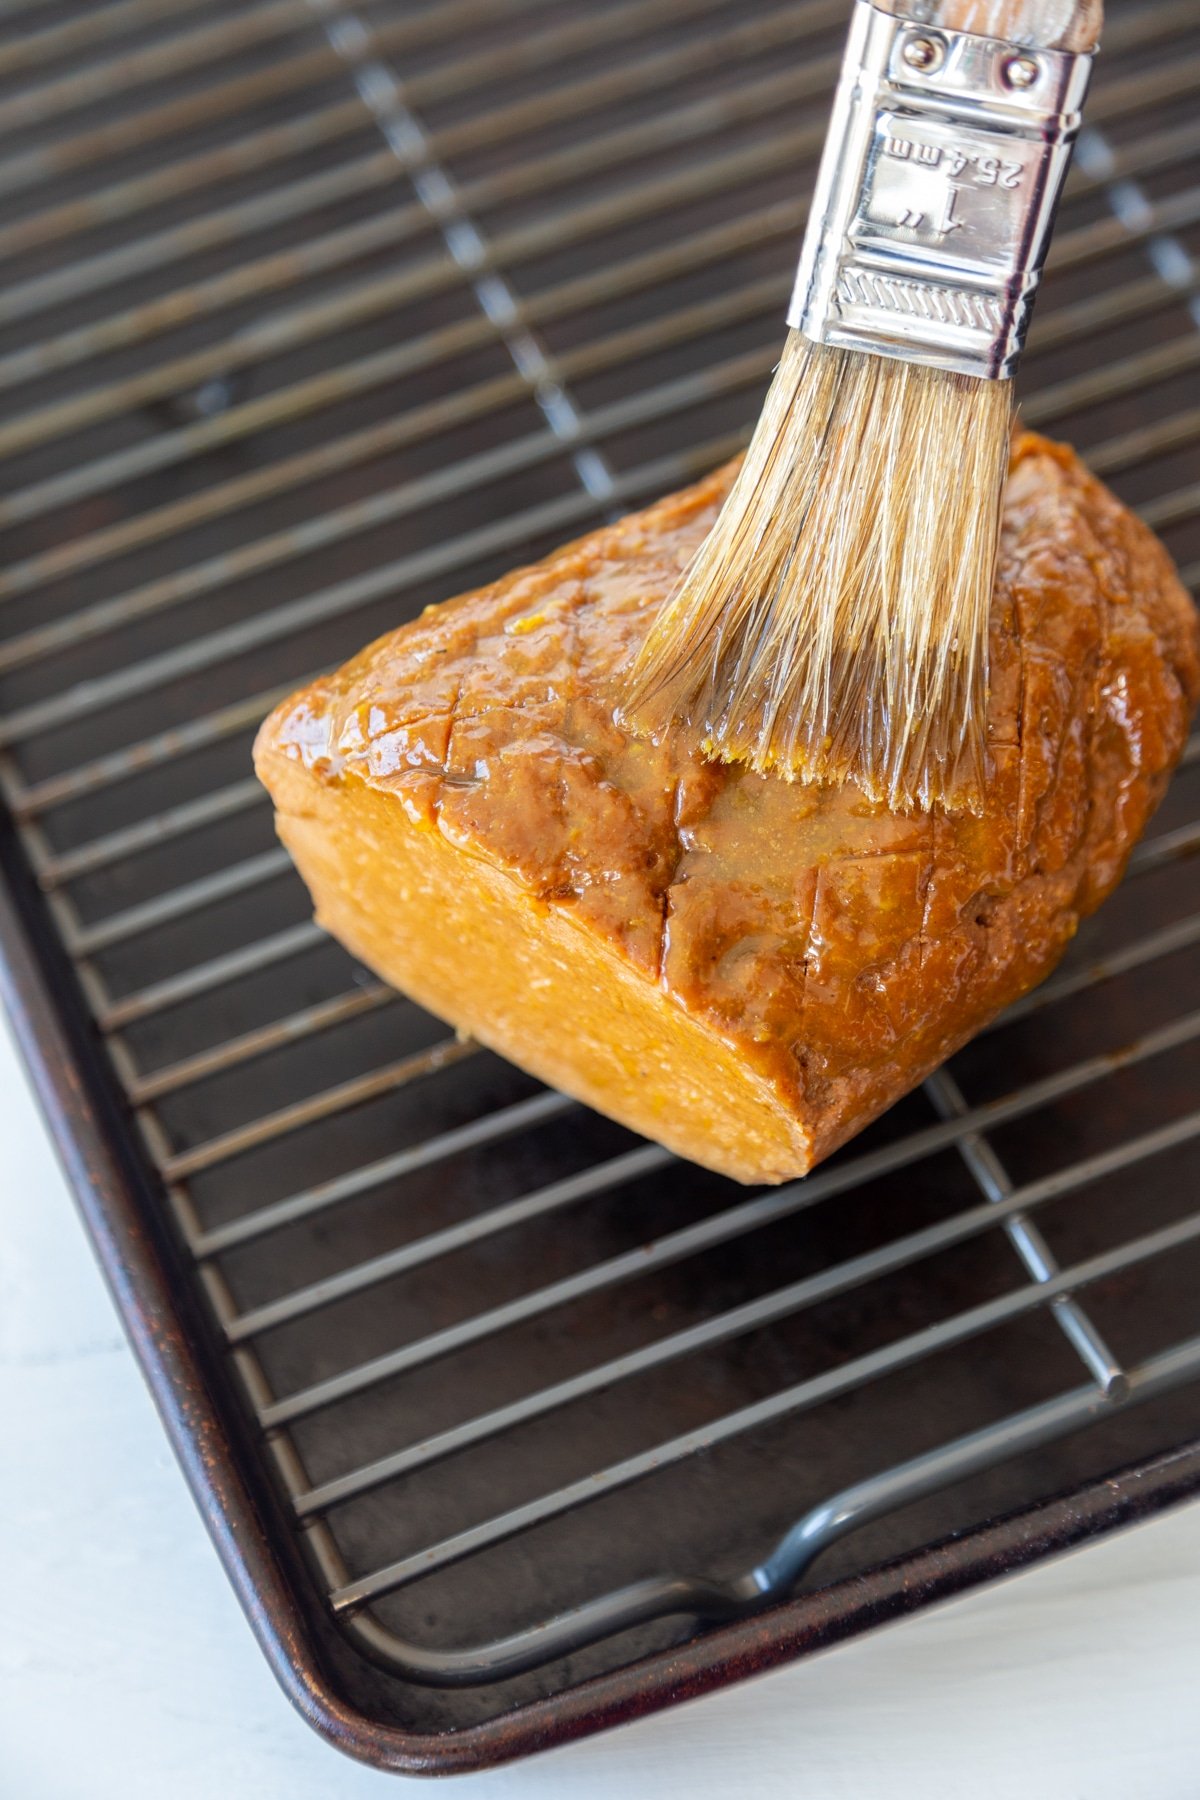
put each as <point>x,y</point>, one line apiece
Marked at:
<point>314,313</point>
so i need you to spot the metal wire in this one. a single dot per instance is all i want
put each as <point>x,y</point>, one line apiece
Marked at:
<point>722,1228</point>
<point>795,1555</point>
<point>292,110</point>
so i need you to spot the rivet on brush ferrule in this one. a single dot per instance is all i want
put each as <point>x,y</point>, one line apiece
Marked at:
<point>936,194</point>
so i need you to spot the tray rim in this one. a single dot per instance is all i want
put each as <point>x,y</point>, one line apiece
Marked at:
<point>79,1103</point>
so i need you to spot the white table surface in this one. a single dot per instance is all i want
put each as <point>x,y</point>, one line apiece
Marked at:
<point>127,1669</point>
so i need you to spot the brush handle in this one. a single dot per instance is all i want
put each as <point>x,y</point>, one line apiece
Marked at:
<point>1040,24</point>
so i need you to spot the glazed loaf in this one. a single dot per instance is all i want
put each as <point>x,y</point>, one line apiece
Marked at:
<point>746,970</point>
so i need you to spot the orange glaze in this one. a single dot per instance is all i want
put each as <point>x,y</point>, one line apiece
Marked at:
<point>840,950</point>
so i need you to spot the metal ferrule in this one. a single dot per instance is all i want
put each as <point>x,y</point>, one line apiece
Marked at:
<point>936,194</point>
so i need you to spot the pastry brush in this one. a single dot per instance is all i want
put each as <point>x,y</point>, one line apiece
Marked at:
<point>834,624</point>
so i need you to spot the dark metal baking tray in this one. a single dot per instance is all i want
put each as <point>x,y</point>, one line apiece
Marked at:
<point>308,320</point>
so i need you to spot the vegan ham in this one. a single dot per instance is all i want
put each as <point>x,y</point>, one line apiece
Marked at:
<point>744,969</point>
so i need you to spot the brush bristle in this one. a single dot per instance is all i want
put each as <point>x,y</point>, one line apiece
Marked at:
<point>834,624</point>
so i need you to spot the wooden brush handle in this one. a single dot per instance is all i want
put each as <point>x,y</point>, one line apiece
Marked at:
<point>1042,24</point>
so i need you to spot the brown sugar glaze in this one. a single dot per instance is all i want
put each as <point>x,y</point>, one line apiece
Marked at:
<point>842,949</point>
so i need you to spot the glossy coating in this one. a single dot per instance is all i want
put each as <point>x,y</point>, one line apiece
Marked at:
<point>835,951</point>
